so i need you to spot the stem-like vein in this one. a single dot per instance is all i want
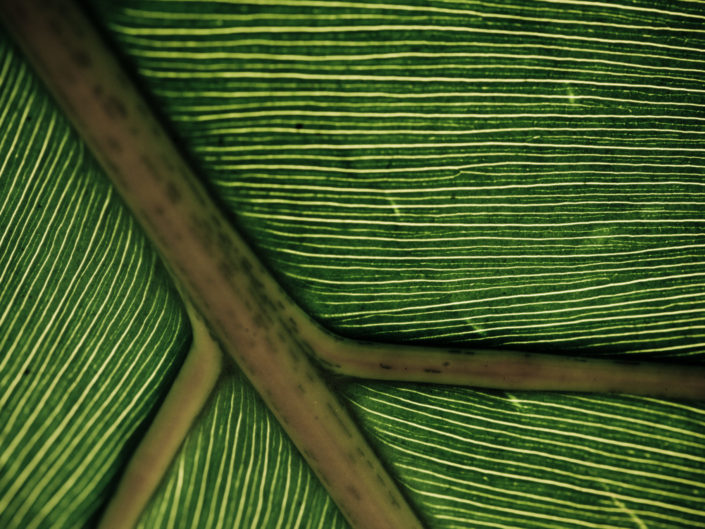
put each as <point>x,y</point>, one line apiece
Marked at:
<point>158,447</point>
<point>272,339</point>
<point>512,370</point>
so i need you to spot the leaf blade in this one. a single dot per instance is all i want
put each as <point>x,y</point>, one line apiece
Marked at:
<point>91,329</point>
<point>238,451</point>
<point>475,459</point>
<point>527,176</point>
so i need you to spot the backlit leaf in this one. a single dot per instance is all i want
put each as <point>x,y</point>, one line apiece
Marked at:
<point>507,174</point>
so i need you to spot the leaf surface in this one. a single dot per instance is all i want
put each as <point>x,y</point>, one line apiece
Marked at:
<point>91,330</point>
<point>510,174</point>
<point>520,174</point>
<point>237,468</point>
<point>477,459</point>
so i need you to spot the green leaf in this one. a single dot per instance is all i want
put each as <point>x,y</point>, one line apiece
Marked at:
<point>91,330</point>
<point>496,174</point>
<point>237,468</point>
<point>476,459</point>
<point>524,175</point>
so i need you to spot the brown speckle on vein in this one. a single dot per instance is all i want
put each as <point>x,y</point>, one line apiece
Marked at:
<point>354,492</point>
<point>173,193</point>
<point>114,107</point>
<point>81,59</point>
<point>149,165</point>
<point>113,144</point>
<point>337,418</point>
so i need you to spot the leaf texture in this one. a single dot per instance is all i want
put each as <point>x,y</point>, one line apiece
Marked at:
<point>237,468</point>
<point>524,174</point>
<point>475,459</point>
<point>527,174</point>
<point>91,329</point>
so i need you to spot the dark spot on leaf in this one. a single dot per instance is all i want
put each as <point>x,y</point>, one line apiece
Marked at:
<point>339,420</point>
<point>299,126</point>
<point>173,193</point>
<point>81,58</point>
<point>114,108</point>
<point>113,144</point>
<point>147,162</point>
<point>246,265</point>
<point>354,492</point>
<point>431,370</point>
<point>385,366</point>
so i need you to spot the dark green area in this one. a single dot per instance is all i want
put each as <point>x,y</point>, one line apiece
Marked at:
<point>518,174</point>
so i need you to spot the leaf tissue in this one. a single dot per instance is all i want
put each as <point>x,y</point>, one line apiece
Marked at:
<point>519,175</point>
